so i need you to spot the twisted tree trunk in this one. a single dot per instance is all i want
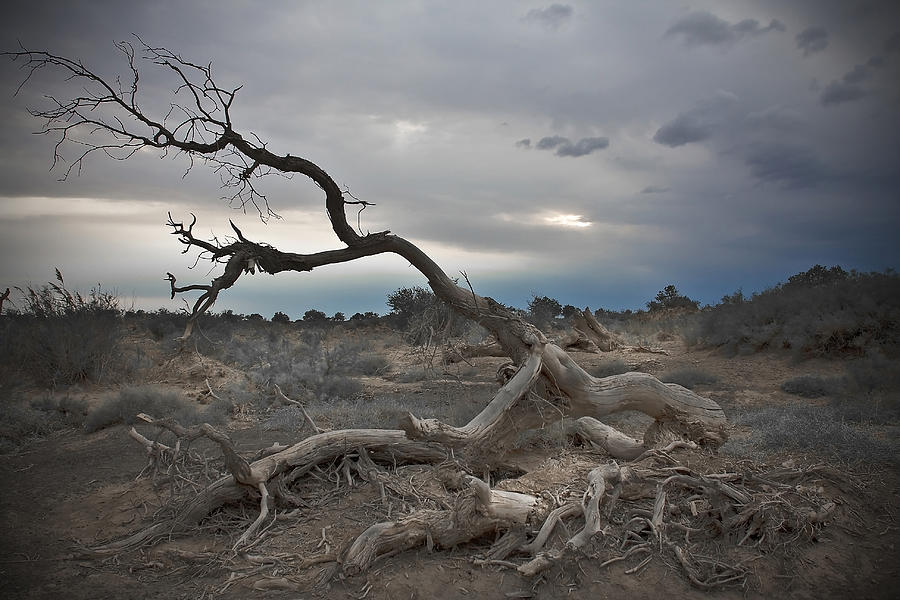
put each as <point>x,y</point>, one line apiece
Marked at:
<point>548,386</point>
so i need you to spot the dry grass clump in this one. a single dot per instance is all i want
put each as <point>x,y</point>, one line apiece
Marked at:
<point>21,421</point>
<point>62,337</point>
<point>818,430</point>
<point>868,391</point>
<point>813,386</point>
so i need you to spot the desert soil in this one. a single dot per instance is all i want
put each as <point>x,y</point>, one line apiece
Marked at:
<point>72,490</point>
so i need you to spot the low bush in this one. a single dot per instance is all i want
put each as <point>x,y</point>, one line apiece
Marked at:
<point>21,421</point>
<point>819,430</point>
<point>123,408</point>
<point>62,337</point>
<point>822,312</point>
<point>813,386</point>
<point>371,363</point>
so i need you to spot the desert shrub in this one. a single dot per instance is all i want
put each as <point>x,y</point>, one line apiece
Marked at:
<point>286,418</point>
<point>124,407</point>
<point>669,298</point>
<point>333,387</point>
<point>356,412</point>
<point>609,367</point>
<point>408,303</point>
<point>280,317</point>
<point>543,310</point>
<point>162,324</point>
<point>422,316</point>
<point>812,386</point>
<point>371,363</point>
<point>688,377</point>
<point>815,429</point>
<point>21,421</point>
<point>314,316</point>
<point>63,337</point>
<point>822,312</point>
<point>871,390</point>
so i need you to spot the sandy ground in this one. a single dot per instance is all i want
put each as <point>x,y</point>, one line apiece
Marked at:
<point>72,490</point>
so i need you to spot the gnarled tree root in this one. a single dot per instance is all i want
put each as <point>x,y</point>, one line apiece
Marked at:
<point>385,444</point>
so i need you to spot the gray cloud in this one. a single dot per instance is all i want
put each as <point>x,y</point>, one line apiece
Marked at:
<point>697,124</point>
<point>776,118</point>
<point>565,147</point>
<point>524,143</point>
<point>812,39</point>
<point>857,74</point>
<point>704,28</point>
<point>583,147</point>
<point>654,189</point>
<point>892,44</point>
<point>683,129</point>
<point>838,92</point>
<point>552,17</point>
<point>790,165</point>
<point>550,142</point>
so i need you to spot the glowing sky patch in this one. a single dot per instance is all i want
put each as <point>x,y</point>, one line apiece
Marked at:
<point>567,221</point>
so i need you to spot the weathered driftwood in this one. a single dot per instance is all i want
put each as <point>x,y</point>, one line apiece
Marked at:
<point>586,323</point>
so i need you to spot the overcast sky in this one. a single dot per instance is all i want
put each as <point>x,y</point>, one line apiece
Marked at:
<point>589,151</point>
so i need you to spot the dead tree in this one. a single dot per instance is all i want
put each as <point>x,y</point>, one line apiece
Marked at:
<point>108,118</point>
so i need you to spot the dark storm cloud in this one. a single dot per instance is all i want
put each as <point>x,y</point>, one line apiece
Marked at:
<point>812,39</point>
<point>654,189</point>
<point>552,17</point>
<point>838,92</point>
<point>565,147</point>
<point>789,165</point>
<point>525,143</point>
<point>704,28</point>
